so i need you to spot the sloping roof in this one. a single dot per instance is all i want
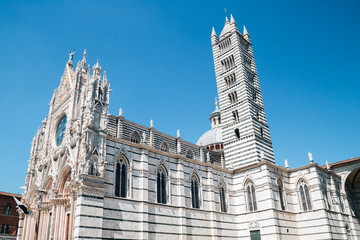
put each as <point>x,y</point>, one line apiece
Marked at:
<point>10,194</point>
<point>344,162</point>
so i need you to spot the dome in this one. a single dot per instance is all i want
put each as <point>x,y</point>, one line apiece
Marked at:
<point>211,137</point>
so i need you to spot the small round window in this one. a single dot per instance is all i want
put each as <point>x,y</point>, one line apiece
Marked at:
<point>60,131</point>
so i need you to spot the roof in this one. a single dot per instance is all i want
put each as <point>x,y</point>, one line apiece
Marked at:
<point>344,162</point>
<point>10,194</point>
<point>211,137</point>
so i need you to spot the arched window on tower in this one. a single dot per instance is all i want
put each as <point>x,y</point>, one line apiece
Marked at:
<point>281,194</point>
<point>164,147</point>
<point>223,206</point>
<point>195,198</point>
<point>135,137</point>
<point>7,210</point>
<point>189,154</point>
<point>251,196</point>
<point>121,177</point>
<point>304,195</point>
<point>161,185</point>
<point>262,132</point>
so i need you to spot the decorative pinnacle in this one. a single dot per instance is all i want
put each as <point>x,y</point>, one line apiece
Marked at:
<point>245,32</point>
<point>232,20</point>
<point>286,164</point>
<point>84,56</point>
<point>71,56</point>
<point>151,123</point>
<point>120,112</point>
<point>311,160</point>
<point>178,133</point>
<point>216,102</point>
<point>327,165</point>
<point>213,33</point>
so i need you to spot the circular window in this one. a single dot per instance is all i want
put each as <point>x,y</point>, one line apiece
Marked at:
<point>60,131</point>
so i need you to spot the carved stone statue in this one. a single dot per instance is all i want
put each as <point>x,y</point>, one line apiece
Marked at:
<point>310,157</point>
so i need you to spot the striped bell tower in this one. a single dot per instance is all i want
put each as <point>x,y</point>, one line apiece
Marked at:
<point>246,135</point>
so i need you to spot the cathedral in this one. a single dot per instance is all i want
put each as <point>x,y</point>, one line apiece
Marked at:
<point>94,175</point>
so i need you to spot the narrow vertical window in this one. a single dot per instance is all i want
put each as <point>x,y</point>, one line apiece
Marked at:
<point>237,133</point>
<point>161,185</point>
<point>261,132</point>
<point>195,192</point>
<point>281,194</point>
<point>251,197</point>
<point>7,210</point>
<point>121,178</point>
<point>222,198</point>
<point>305,196</point>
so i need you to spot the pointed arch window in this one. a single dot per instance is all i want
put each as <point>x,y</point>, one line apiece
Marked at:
<point>135,137</point>
<point>161,185</point>
<point>195,198</point>
<point>223,206</point>
<point>164,147</point>
<point>189,154</point>
<point>7,210</point>
<point>281,194</point>
<point>251,196</point>
<point>305,196</point>
<point>121,178</point>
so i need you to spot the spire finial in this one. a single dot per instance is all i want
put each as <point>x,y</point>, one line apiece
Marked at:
<point>178,133</point>
<point>226,19</point>
<point>216,102</point>
<point>84,55</point>
<point>120,112</point>
<point>151,123</point>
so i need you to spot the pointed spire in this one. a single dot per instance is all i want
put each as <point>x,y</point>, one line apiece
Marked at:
<point>226,19</point>
<point>151,123</point>
<point>246,34</point>
<point>245,31</point>
<point>232,20</point>
<point>286,164</point>
<point>178,133</point>
<point>213,33</point>
<point>120,112</point>
<point>216,103</point>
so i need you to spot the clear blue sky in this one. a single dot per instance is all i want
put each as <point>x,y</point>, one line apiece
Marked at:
<point>158,59</point>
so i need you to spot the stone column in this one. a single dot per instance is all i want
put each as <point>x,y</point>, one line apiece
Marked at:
<point>144,193</point>
<point>21,225</point>
<point>181,199</point>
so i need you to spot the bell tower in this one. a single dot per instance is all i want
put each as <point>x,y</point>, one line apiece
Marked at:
<point>246,135</point>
